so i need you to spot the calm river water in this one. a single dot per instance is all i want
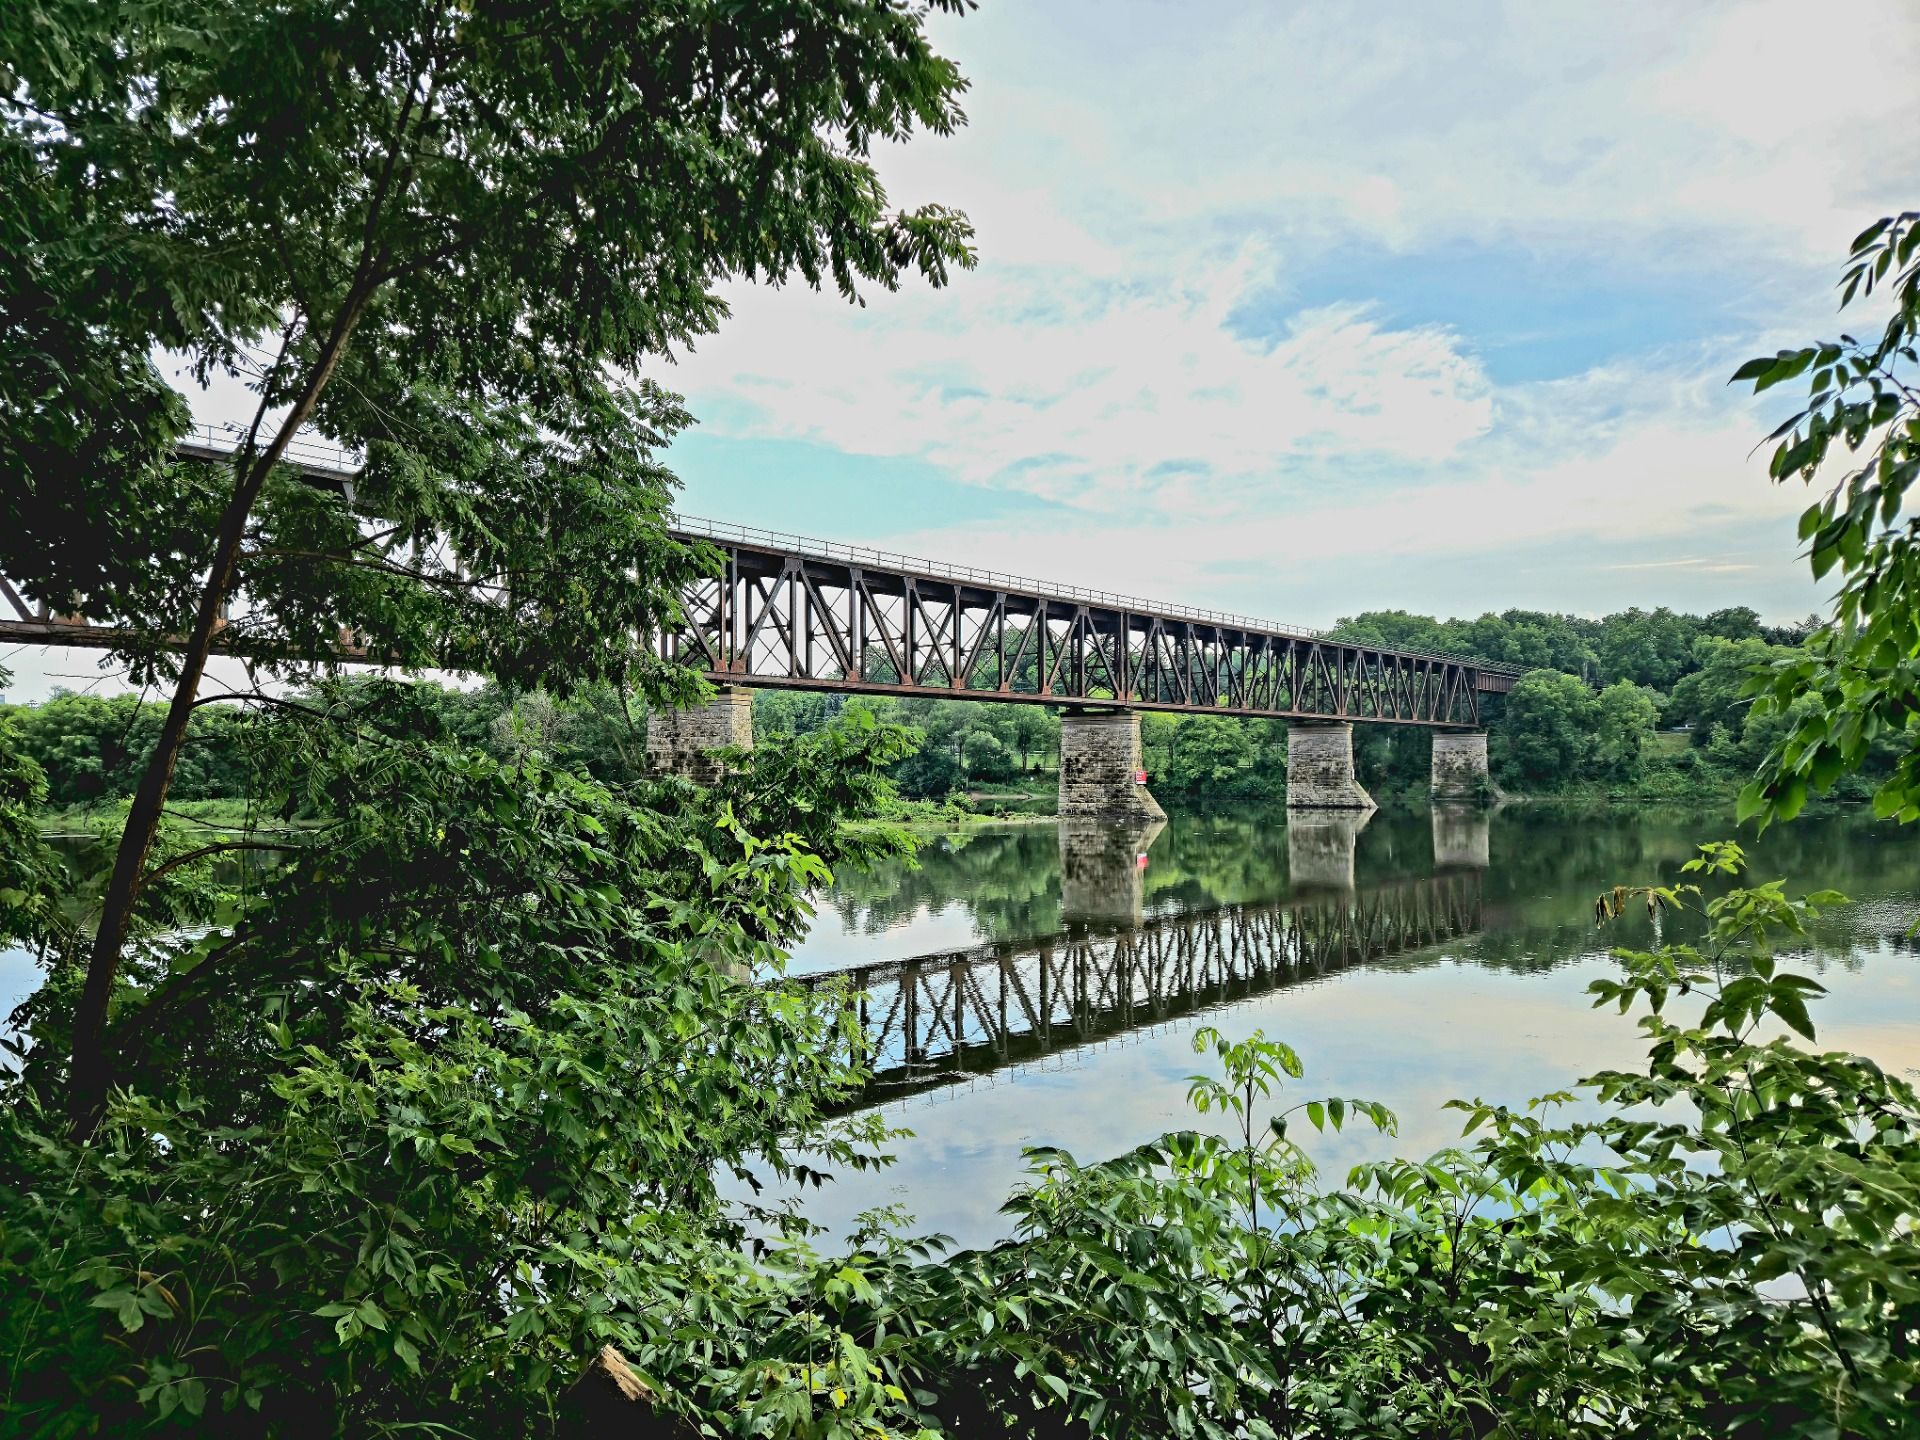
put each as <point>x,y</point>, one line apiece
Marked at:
<point>1041,984</point>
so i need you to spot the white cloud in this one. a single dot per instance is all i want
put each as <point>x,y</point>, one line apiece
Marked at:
<point>1144,175</point>
<point>1411,122</point>
<point>1575,473</point>
<point>1103,397</point>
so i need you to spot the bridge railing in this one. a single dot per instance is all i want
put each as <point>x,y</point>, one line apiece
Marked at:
<point>790,543</point>
<point>303,450</point>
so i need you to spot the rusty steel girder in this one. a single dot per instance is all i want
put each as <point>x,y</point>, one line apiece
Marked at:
<point>779,616</point>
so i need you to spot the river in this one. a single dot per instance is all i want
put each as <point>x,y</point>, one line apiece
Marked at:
<point>1040,984</point>
<point>1409,959</point>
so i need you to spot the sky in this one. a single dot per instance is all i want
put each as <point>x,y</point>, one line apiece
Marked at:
<point>1299,310</point>
<point>1302,310</point>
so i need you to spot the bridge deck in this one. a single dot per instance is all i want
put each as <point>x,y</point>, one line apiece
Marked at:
<point>784,611</point>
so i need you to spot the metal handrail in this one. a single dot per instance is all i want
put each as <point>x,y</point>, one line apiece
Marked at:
<point>301,449</point>
<point>325,455</point>
<point>991,579</point>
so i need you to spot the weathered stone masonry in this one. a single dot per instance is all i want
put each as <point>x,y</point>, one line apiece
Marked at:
<point>1320,769</point>
<point>1460,767</point>
<point>1099,756</point>
<point>678,741</point>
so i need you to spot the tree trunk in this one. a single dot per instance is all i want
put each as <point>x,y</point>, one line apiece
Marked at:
<point>92,1070</point>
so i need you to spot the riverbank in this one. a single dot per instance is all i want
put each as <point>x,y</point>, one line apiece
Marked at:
<point>78,822</point>
<point>224,818</point>
<point>947,815</point>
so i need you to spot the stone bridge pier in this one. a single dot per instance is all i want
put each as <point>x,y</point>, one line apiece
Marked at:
<point>1320,768</point>
<point>1320,848</point>
<point>1459,772</point>
<point>680,742</point>
<point>1100,768</point>
<point>1103,877</point>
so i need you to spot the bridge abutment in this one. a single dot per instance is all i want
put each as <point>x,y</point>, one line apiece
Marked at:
<point>1320,769</point>
<point>1459,772</point>
<point>1100,768</point>
<point>680,742</point>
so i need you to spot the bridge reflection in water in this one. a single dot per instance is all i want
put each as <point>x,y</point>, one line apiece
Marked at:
<point>939,1019</point>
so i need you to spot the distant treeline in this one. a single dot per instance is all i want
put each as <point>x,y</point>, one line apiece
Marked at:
<point>1587,718</point>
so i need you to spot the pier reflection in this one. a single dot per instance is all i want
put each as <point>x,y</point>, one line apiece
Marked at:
<point>1462,837</point>
<point>937,1019</point>
<point>1103,870</point>
<point>1321,846</point>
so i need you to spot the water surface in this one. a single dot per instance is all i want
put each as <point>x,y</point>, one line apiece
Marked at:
<point>1041,984</point>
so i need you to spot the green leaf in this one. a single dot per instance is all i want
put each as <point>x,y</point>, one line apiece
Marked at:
<point>125,1305</point>
<point>1785,367</point>
<point>1867,236</point>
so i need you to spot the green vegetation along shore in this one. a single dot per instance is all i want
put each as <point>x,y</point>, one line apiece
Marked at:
<point>1645,707</point>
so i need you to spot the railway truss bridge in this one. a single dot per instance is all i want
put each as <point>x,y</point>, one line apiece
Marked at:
<point>790,612</point>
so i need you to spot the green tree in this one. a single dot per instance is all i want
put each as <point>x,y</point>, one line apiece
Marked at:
<point>1034,733</point>
<point>473,1131</point>
<point>392,1138</point>
<point>1398,629</point>
<point>27,867</point>
<point>1390,759</point>
<point>1530,637</point>
<point>930,772</point>
<point>93,748</point>
<point>1735,622</point>
<point>1858,434</point>
<point>1211,754</point>
<point>438,235</point>
<point>1648,647</point>
<point>983,756</point>
<point>1717,692</point>
<point>1550,730</point>
<point>1624,717</point>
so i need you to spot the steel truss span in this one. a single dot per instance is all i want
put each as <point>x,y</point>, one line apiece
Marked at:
<point>790,612</point>
<point>787,618</point>
<point>939,1019</point>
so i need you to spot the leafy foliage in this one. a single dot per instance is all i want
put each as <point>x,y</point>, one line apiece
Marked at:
<point>436,235</point>
<point>1727,1248</point>
<point>454,240</point>
<point>26,864</point>
<point>1857,685</point>
<point>440,1104</point>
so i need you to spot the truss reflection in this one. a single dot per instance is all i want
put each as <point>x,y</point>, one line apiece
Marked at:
<point>937,1019</point>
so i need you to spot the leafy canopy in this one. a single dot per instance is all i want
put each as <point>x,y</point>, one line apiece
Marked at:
<point>1857,434</point>
<point>452,238</point>
<point>442,236</point>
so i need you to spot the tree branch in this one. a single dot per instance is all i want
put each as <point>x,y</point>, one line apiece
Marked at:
<point>205,850</point>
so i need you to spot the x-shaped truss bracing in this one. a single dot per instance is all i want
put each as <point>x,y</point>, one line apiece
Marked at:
<point>783,618</point>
